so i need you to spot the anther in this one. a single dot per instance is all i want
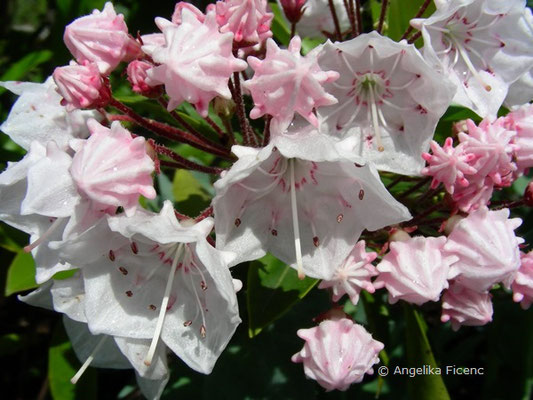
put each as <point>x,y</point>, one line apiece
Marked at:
<point>339,218</point>
<point>237,222</point>
<point>123,271</point>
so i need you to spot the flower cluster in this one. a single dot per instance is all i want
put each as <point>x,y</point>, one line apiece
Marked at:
<point>307,189</point>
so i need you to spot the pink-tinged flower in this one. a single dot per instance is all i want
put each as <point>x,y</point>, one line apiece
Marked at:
<point>112,169</point>
<point>523,282</point>
<point>166,283</point>
<point>474,196</point>
<point>337,353</point>
<point>482,45</point>
<point>249,20</point>
<point>487,248</point>
<point>284,82</point>
<point>521,121</point>
<point>299,201</point>
<point>415,270</point>
<point>101,38</point>
<point>137,75</point>
<point>192,50</point>
<point>293,9</point>
<point>353,275</point>
<point>37,115</point>
<point>81,86</point>
<point>448,165</point>
<point>317,20</point>
<point>491,144</point>
<point>180,6</point>
<point>464,306</point>
<point>521,91</point>
<point>388,98</point>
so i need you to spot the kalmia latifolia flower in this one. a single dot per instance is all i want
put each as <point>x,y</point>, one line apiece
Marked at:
<point>487,248</point>
<point>482,46</point>
<point>81,86</point>
<point>353,275</point>
<point>464,306</point>
<point>249,20</point>
<point>285,77</point>
<point>337,353</point>
<point>193,49</point>
<point>101,38</point>
<point>415,270</point>
<point>523,282</point>
<point>388,98</point>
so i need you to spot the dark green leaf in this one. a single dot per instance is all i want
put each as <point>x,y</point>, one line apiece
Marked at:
<point>21,274</point>
<point>400,12</point>
<point>20,69</point>
<point>189,193</point>
<point>419,353</point>
<point>273,288</point>
<point>280,28</point>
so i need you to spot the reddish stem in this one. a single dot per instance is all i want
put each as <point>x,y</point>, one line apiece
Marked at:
<point>247,133</point>
<point>335,20</point>
<point>414,38</point>
<point>204,214</point>
<point>266,132</point>
<point>359,17</point>
<point>215,127</point>
<point>384,4</point>
<point>182,162</point>
<point>293,29</point>
<point>421,10</point>
<point>351,16</point>
<point>414,188</point>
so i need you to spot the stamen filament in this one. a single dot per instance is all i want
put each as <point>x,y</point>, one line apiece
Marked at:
<point>375,123</point>
<point>44,236</point>
<point>163,309</point>
<point>297,244</point>
<point>88,362</point>
<point>470,66</point>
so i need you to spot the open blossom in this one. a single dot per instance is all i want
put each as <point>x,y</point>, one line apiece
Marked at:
<point>102,38</point>
<point>464,306</point>
<point>415,270</point>
<point>523,282</point>
<point>388,98</point>
<point>317,19</point>
<point>163,282</point>
<point>337,353</point>
<point>81,86</point>
<point>487,248</point>
<point>286,78</point>
<point>37,115</point>
<point>307,208</point>
<point>448,165</point>
<point>249,20</point>
<point>192,50</point>
<point>353,275</point>
<point>482,45</point>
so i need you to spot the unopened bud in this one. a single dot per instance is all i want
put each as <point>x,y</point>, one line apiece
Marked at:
<point>293,9</point>
<point>137,74</point>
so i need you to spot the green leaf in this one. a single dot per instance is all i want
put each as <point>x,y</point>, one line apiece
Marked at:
<point>22,67</point>
<point>7,242</point>
<point>279,27</point>
<point>400,12</point>
<point>189,193</point>
<point>62,366</point>
<point>419,353</point>
<point>10,344</point>
<point>21,274</point>
<point>273,288</point>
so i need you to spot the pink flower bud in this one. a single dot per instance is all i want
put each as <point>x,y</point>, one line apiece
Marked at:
<point>293,9</point>
<point>137,74</point>
<point>337,353</point>
<point>463,306</point>
<point>523,282</point>
<point>81,86</point>
<point>102,38</point>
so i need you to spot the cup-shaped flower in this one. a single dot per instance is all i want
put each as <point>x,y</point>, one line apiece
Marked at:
<point>81,86</point>
<point>353,275</point>
<point>337,353</point>
<point>249,20</point>
<point>487,248</point>
<point>464,306</point>
<point>193,49</point>
<point>112,169</point>
<point>388,97</point>
<point>301,202</point>
<point>482,46</point>
<point>284,83</point>
<point>523,282</point>
<point>165,283</point>
<point>415,270</point>
<point>38,115</point>
<point>102,38</point>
